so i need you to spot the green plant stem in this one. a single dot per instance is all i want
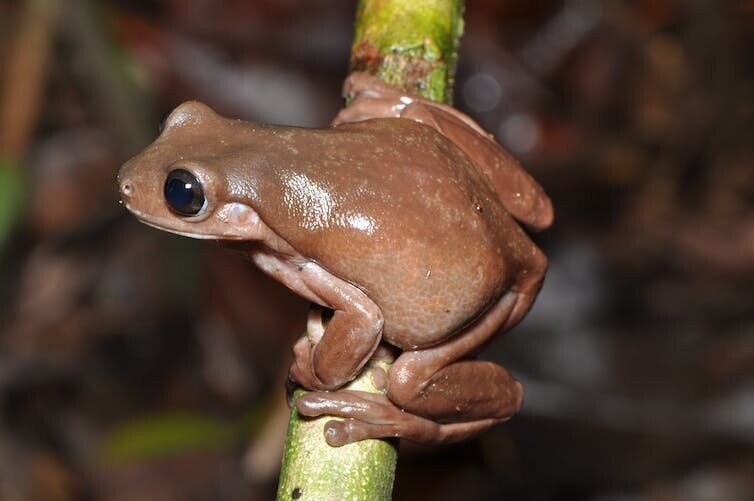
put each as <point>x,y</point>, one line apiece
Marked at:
<point>412,44</point>
<point>312,470</point>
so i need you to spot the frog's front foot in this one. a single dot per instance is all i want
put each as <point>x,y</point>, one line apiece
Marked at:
<point>370,415</point>
<point>330,356</point>
<point>371,98</point>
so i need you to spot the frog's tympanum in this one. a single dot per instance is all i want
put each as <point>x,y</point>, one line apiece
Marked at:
<point>403,218</point>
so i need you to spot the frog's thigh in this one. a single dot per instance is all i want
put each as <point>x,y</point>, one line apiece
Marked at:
<point>520,194</point>
<point>369,415</point>
<point>352,334</point>
<point>442,384</point>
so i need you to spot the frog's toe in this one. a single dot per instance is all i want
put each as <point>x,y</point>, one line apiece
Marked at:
<point>370,407</point>
<point>366,105</point>
<point>348,431</point>
<point>367,415</point>
<point>411,427</point>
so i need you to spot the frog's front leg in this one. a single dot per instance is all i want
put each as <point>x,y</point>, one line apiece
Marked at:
<point>433,395</point>
<point>352,334</point>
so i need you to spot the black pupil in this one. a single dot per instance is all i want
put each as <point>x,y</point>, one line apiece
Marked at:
<point>184,193</point>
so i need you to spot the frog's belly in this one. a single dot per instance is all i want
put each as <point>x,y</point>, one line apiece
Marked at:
<point>424,306</point>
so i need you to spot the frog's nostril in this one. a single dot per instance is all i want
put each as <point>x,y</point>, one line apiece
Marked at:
<point>126,188</point>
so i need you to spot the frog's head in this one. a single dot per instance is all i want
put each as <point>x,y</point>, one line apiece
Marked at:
<point>178,183</point>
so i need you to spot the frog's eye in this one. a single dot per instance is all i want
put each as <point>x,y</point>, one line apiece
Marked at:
<point>184,193</point>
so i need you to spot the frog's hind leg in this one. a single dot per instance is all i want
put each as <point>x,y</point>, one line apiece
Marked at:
<point>519,193</point>
<point>443,384</point>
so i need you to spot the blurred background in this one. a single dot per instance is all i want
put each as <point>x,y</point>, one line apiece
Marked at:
<point>138,365</point>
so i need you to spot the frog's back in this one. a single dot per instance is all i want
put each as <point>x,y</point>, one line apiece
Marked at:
<point>395,208</point>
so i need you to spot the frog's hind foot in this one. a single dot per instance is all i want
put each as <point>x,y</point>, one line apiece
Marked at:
<point>369,415</point>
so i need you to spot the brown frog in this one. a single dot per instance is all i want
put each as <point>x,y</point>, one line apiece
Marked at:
<point>403,219</point>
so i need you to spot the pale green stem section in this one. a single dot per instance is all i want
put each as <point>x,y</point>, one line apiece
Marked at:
<point>412,44</point>
<point>312,470</point>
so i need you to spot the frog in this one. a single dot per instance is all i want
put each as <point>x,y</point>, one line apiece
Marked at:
<point>404,219</point>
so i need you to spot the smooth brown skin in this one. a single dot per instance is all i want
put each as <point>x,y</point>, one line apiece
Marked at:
<point>405,229</point>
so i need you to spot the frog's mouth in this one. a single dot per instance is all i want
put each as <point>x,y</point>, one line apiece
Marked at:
<point>200,236</point>
<point>218,226</point>
<point>168,224</point>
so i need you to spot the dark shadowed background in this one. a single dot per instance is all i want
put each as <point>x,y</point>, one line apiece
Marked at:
<point>137,365</point>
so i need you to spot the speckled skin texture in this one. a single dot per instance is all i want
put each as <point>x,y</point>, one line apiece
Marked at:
<point>406,228</point>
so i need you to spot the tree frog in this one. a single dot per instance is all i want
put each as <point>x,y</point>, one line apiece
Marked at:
<point>402,218</point>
